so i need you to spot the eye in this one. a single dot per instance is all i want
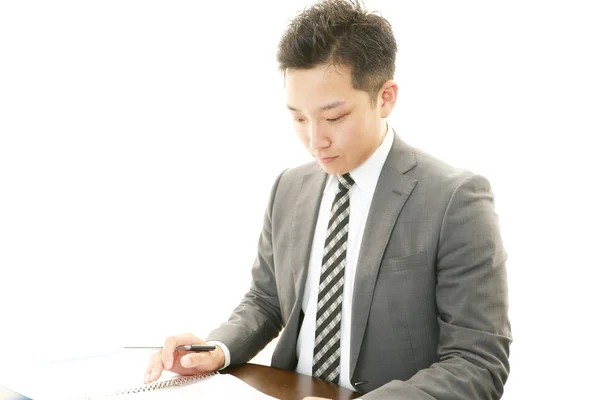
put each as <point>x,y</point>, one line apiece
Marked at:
<point>336,119</point>
<point>299,120</point>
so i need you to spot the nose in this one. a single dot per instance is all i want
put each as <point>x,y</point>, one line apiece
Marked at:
<point>318,137</point>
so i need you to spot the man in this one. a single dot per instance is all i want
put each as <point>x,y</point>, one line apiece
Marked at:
<point>384,265</point>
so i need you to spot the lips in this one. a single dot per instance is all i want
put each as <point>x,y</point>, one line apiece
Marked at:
<point>325,160</point>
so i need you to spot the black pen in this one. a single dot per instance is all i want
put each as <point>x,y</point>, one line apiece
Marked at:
<point>189,347</point>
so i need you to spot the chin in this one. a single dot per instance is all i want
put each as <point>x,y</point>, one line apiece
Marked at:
<point>332,169</point>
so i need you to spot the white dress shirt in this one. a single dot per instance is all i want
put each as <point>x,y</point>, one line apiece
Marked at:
<point>361,194</point>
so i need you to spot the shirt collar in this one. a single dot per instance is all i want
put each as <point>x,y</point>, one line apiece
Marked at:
<point>366,175</point>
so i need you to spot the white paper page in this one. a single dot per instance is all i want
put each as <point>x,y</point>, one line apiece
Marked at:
<point>116,371</point>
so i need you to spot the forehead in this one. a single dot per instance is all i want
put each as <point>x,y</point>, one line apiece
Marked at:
<point>308,88</point>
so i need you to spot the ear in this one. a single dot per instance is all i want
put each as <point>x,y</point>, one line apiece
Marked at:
<point>388,97</point>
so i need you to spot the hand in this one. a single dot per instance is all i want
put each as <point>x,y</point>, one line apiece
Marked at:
<point>183,362</point>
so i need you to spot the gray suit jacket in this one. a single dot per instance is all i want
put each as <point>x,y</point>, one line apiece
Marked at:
<point>429,315</point>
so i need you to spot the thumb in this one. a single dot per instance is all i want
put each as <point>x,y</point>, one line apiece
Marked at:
<point>194,360</point>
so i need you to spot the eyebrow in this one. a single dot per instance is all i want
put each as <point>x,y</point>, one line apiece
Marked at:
<point>326,107</point>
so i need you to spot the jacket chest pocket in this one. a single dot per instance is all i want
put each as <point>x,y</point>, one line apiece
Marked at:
<point>404,263</point>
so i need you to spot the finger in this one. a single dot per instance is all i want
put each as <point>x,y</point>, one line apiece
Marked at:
<point>172,342</point>
<point>154,369</point>
<point>199,361</point>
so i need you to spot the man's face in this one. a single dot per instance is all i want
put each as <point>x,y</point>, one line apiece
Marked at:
<point>339,125</point>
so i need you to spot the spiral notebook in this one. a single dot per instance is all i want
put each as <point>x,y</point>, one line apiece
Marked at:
<point>119,375</point>
<point>165,384</point>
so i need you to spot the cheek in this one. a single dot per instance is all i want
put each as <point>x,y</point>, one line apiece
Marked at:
<point>350,135</point>
<point>303,136</point>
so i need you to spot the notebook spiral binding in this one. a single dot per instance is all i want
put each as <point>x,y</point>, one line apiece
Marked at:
<point>185,380</point>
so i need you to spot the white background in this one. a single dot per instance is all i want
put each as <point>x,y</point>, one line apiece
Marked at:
<point>139,141</point>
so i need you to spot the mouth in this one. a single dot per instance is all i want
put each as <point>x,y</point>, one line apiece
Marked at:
<point>326,160</point>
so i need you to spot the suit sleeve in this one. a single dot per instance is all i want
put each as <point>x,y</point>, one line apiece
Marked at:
<point>472,301</point>
<point>257,319</point>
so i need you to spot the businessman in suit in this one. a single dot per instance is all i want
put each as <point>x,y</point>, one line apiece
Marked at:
<point>381,267</point>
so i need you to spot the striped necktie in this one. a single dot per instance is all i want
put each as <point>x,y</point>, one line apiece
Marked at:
<point>326,355</point>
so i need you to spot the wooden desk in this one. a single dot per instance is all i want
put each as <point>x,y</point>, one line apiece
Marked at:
<point>287,385</point>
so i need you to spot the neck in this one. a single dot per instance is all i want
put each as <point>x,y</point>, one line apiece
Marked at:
<point>384,130</point>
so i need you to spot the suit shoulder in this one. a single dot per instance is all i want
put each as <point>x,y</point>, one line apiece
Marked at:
<point>430,167</point>
<point>436,175</point>
<point>289,181</point>
<point>295,174</point>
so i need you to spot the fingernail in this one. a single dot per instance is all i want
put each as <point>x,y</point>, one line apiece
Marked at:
<point>146,377</point>
<point>185,361</point>
<point>167,364</point>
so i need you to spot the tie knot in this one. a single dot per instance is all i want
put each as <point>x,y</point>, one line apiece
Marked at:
<point>346,180</point>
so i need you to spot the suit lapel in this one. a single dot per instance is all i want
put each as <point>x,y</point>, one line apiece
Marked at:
<point>304,221</point>
<point>391,193</point>
<point>306,212</point>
